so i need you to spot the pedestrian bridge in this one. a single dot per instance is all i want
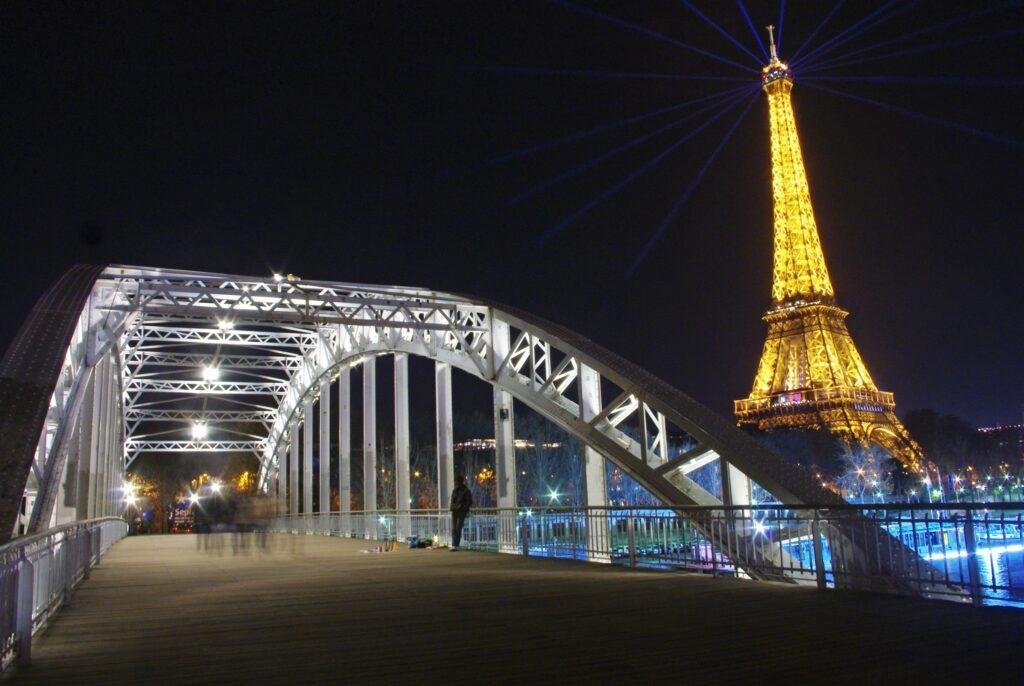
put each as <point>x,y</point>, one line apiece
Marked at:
<point>316,609</point>
<point>115,362</point>
<point>119,361</point>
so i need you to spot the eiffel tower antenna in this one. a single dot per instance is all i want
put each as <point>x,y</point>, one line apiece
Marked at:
<point>771,42</point>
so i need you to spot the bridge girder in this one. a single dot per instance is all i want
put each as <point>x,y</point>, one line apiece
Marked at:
<point>162,321</point>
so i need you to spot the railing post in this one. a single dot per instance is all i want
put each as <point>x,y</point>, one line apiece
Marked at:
<point>23,610</point>
<point>70,566</point>
<point>711,546</point>
<point>632,540</point>
<point>87,556</point>
<point>819,557</point>
<point>972,560</point>
<point>524,535</point>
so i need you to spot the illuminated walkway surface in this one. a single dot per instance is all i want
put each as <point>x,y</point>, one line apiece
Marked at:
<point>312,610</point>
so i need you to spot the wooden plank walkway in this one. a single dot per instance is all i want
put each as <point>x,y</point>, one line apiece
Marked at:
<point>305,610</point>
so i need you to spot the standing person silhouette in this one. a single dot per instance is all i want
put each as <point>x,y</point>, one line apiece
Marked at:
<point>462,500</point>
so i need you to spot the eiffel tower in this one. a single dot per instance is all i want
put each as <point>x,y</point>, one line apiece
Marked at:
<point>810,374</point>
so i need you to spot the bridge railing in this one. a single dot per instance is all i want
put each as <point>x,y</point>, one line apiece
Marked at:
<point>962,552</point>
<point>38,574</point>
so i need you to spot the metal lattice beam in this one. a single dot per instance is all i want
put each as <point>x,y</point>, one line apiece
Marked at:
<point>209,416</point>
<point>223,362</point>
<point>133,448</point>
<point>180,334</point>
<point>152,385</point>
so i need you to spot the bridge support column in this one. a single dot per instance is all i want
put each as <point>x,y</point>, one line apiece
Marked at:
<point>345,449</point>
<point>87,459</point>
<point>307,463</point>
<point>445,445</point>
<point>504,444</point>
<point>96,462</point>
<point>370,445</point>
<point>597,540</point>
<point>293,469</point>
<point>403,522</point>
<point>282,478</point>
<point>324,475</point>
<point>736,488</point>
<point>736,491</point>
<point>104,368</point>
<point>505,470</point>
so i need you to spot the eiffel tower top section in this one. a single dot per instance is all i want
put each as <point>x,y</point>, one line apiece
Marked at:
<point>799,273</point>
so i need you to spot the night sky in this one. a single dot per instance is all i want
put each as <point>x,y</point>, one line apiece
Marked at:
<point>356,142</point>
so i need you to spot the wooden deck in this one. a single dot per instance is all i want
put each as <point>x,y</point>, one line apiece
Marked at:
<point>305,610</point>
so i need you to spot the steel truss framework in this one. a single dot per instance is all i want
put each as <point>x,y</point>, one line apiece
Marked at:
<point>811,373</point>
<point>176,342</point>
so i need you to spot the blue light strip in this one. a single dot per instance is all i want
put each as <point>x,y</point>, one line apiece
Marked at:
<point>818,28</point>
<point>845,32</point>
<point>547,145</point>
<point>647,32</point>
<point>995,82</point>
<point>722,31</point>
<point>595,73</point>
<point>674,212</point>
<point>753,29</point>
<point>778,29</point>
<point>647,166</point>
<point>569,173</point>
<point>915,51</point>
<point>927,29</point>
<point>998,138</point>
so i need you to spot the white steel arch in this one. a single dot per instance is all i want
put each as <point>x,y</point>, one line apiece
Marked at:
<point>189,348</point>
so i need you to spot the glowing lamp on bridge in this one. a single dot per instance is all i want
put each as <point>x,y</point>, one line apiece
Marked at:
<point>210,373</point>
<point>199,430</point>
<point>225,324</point>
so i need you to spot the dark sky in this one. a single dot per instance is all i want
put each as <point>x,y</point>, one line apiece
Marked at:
<point>351,142</point>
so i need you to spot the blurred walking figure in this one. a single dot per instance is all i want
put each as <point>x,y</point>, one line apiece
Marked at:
<point>462,500</point>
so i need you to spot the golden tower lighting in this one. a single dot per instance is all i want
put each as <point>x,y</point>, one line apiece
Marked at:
<point>810,374</point>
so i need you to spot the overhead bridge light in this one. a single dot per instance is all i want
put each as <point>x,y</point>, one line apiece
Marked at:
<point>199,430</point>
<point>210,373</point>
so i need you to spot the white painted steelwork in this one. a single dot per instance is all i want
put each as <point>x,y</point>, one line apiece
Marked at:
<point>189,351</point>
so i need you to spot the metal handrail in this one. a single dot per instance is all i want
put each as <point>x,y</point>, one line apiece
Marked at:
<point>38,574</point>
<point>936,550</point>
<point>840,507</point>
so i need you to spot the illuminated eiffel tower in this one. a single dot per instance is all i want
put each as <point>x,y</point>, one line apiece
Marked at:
<point>810,374</point>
